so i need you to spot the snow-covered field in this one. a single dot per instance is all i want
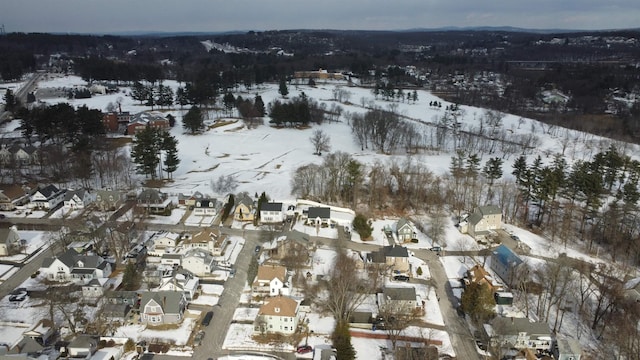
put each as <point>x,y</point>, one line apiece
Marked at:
<point>263,159</point>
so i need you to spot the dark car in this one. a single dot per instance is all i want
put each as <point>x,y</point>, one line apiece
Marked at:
<point>2,216</point>
<point>436,248</point>
<point>401,278</point>
<point>197,340</point>
<point>258,249</point>
<point>207,318</point>
<point>303,349</point>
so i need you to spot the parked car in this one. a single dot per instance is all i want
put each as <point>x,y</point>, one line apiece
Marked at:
<point>18,295</point>
<point>232,273</point>
<point>207,318</point>
<point>401,278</point>
<point>515,237</point>
<point>303,349</point>
<point>257,250</point>
<point>436,248</point>
<point>2,216</point>
<point>197,340</point>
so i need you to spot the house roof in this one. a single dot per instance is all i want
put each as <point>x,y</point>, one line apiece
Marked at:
<point>116,310</point>
<point>319,212</point>
<point>514,326</point>
<point>13,192</point>
<point>402,223</point>
<point>206,203</point>
<point>270,272</point>
<point>505,256</point>
<point>483,211</point>
<point>169,300</point>
<point>399,293</point>
<point>84,342</point>
<point>199,254</point>
<point>151,196</point>
<point>26,345</point>
<point>48,191</point>
<point>568,346</point>
<point>246,201</point>
<point>204,236</point>
<point>280,306</point>
<point>70,193</point>
<point>271,206</point>
<point>8,235</point>
<point>147,116</point>
<point>395,251</point>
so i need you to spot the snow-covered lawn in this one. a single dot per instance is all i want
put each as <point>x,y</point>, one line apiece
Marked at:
<point>178,336</point>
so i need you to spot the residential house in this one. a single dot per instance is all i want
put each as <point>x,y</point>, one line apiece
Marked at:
<point>162,307</point>
<point>41,332</point>
<point>245,209</point>
<point>82,346</point>
<point>405,230</point>
<point>166,239</point>
<point>484,220</point>
<point>208,239</point>
<point>46,198</point>
<point>122,297</point>
<point>518,333</point>
<point>171,259</point>
<point>505,264</point>
<point>152,119</point>
<point>567,349</point>
<point>21,155</point>
<point>295,243</point>
<point>93,290</point>
<point>154,202</point>
<point>199,261</point>
<point>271,212</point>
<point>205,207</point>
<point>109,200</point>
<point>320,74</point>
<point>271,280</point>
<point>319,216</point>
<point>78,199</point>
<point>278,315</point>
<point>70,266</point>
<point>9,240</point>
<point>403,299</point>
<point>12,196</point>
<point>393,258</point>
<point>116,312</point>
<point>478,274</point>
<point>26,345</point>
<point>181,280</point>
<point>116,121</point>
<point>189,200</point>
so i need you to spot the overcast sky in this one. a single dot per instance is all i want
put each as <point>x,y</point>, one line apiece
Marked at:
<point>114,16</point>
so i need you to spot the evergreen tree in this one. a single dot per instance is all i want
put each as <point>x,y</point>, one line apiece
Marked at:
<point>229,101</point>
<point>171,161</point>
<point>415,96</point>
<point>192,121</point>
<point>282,89</point>
<point>10,101</point>
<point>130,277</point>
<point>181,97</point>
<point>477,301</point>
<point>259,105</point>
<point>492,171</point>
<point>138,92</point>
<point>145,150</point>
<point>341,339</point>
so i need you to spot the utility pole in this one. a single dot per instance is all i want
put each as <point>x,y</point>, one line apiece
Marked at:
<point>2,31</point>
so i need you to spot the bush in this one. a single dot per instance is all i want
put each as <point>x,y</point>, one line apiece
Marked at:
<point>419,271</point>
<point>361,225</point>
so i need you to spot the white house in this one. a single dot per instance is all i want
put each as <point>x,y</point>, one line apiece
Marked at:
<point>279,315</point>
<point>205,207</point>
<point>271,213</point>
<point>93,290</point>
<point>198,261</point>
<point>78,199</point>
<point>519,333</point>
<point>271,280</point>
<point>166,239</point>
<point>9,239</point>
<point>46,198</point>
<point>208,239</point>
<point>70,266</point>
<point>180,280</point>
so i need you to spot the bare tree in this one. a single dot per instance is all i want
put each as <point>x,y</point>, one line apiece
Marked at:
<point>397,315</point>
<point>320,142</point>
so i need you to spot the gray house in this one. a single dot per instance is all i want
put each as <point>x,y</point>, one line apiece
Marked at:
<point>162,307</point>
<point>567,349</point>
<point>518,333</point>
<point>405,230</point>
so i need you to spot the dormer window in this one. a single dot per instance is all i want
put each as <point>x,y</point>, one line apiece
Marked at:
<point>277,310</point>
<point>198,204</point>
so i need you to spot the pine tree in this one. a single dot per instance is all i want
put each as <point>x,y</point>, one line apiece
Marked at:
<point>229,101</point>
<point>10,101</point>
<point>477,301</point>
<point>192,121</point>
<point>492,171</point>
<point>259,105</point>
<point>181,97</point>
<point>282,89</point>
<point>341,339</point>
<point>171,161</point>
<point>138,92</point>
<point>145,150</point>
